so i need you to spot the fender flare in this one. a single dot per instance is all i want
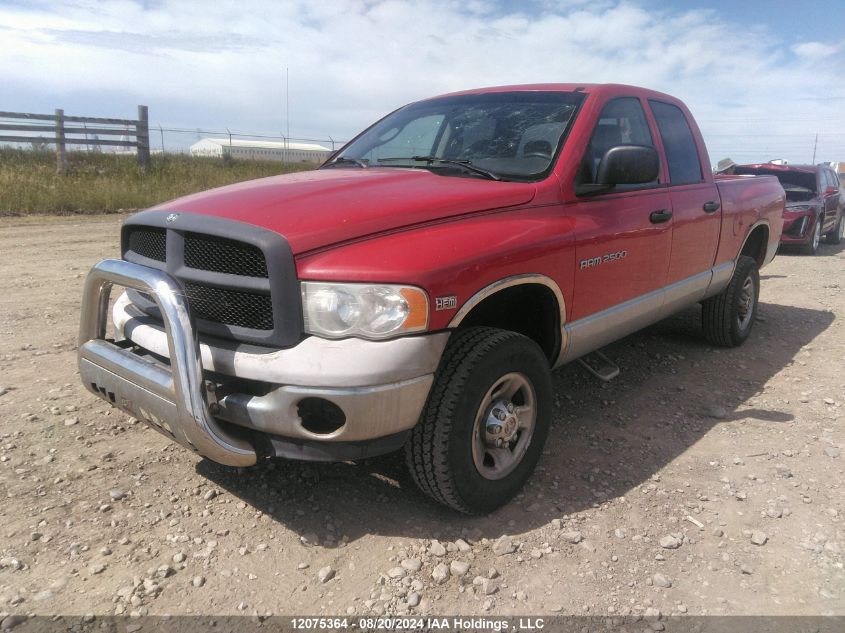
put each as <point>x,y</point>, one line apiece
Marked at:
<point>510,282</point>
<point>770,250</point>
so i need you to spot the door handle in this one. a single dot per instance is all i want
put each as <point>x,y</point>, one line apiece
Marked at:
<point>711,207</point>
<point>658,217</point>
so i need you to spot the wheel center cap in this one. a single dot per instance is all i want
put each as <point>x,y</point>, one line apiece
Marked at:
<point>502,424</point>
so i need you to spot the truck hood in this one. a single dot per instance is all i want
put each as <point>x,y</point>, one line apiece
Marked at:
<point>316,209</point>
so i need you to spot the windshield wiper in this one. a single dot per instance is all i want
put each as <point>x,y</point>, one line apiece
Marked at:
<point>363,163</point>
<point>463,163</point>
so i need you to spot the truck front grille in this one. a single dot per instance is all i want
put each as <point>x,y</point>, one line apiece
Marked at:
<point>231,307</point>
<point>148,242</point>
<point>241,289</point>
<point>221,255</point>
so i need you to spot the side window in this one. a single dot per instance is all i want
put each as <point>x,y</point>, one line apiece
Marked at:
<point>622,122</point>
<point>823,184</point>
<point>678,141</point>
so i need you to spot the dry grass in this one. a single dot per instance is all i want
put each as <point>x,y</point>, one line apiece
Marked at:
<point>109,183</point>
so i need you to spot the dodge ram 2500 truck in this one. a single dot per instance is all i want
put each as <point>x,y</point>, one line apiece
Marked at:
<point>416,291</point>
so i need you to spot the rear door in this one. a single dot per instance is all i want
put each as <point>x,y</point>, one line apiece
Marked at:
<point>696,212</point>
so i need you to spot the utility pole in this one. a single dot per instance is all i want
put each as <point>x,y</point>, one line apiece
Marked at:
<point>815,145</point>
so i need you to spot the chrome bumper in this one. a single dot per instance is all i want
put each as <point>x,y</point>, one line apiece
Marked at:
<point>380,387</point>
<point>173,400</point>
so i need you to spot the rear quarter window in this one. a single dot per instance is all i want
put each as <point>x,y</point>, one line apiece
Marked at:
<point>679,143</point>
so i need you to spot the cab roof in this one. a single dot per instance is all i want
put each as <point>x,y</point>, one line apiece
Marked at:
<point>591,89</point>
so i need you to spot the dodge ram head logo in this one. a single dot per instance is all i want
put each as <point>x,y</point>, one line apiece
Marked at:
<point>171,218</point>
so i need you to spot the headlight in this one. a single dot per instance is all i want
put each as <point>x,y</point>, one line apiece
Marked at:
<point>373,311</point>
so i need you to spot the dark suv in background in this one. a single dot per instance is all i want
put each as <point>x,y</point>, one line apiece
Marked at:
<point>814,202</point>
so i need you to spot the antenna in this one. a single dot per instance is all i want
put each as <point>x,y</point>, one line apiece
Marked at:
<point>287,111</point>
<point>815,145</point>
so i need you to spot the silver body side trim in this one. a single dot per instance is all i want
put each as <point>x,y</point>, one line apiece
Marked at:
<point>682,293</point>
<point>597,330</point>
<point>722,274</point>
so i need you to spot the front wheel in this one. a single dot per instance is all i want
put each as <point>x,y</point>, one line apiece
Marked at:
<point>835,236</point>
<point>728,317</point>
<point>811,247</point>
<point>483,427</point>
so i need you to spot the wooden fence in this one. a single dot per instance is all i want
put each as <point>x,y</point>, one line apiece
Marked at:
<point>62,135</point>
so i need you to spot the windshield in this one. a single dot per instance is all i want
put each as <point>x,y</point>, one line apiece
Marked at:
<point>504,135</point>
<point>800,186</point>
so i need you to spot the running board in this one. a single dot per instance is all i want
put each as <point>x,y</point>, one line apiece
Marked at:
<point>600,366</point>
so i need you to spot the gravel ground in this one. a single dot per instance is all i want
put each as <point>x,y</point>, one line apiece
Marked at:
<point>700,481</point>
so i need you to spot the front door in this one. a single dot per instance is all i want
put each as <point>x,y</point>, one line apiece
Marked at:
<point>622,238</point>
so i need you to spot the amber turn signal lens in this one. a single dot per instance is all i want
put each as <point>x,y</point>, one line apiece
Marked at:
<point>417,318</point>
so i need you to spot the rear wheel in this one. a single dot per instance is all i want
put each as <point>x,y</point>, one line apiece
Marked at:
<point>728,317</point>
<point>835,236</point>
<point>812,246</point>
<point>482,430</point>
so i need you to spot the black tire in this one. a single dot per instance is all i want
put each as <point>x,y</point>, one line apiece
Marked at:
<point>835,236</point>
<point>812,247</point>
<point>728,317</point>
<point>440,453</point>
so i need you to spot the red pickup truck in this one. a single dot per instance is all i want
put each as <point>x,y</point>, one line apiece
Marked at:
<point>417,290</point>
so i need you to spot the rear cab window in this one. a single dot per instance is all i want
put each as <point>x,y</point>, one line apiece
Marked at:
<point>678,143</point>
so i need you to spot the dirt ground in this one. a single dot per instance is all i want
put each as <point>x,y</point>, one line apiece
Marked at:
<point>700,481</point>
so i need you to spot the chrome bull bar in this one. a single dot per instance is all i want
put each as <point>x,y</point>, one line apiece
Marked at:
<point>173,400</point>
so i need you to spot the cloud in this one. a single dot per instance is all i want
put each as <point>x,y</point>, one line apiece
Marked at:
<point>198,64</point>
<point>814,50</point>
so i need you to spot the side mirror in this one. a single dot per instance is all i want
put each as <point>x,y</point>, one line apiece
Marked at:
<point>628,165</point>
<point>623,165</point>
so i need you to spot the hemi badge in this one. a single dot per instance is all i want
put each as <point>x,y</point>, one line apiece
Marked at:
<point>446,303</point>
<point>172,218</point>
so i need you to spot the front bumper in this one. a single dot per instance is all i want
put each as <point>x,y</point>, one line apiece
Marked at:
<point>798,228</point>
<point>232,402</point>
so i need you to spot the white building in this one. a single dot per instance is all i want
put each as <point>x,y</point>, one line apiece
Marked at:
<point>287,152</point>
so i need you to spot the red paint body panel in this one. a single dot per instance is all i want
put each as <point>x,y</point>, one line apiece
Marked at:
<point>747,202</point>
<point>316,209</point>
<point>613,224</point>
<point>695,233</point>
<point>456,235</point>
<point>460,257</point>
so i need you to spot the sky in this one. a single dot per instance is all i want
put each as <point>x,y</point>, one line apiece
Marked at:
<point>762,78</point>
